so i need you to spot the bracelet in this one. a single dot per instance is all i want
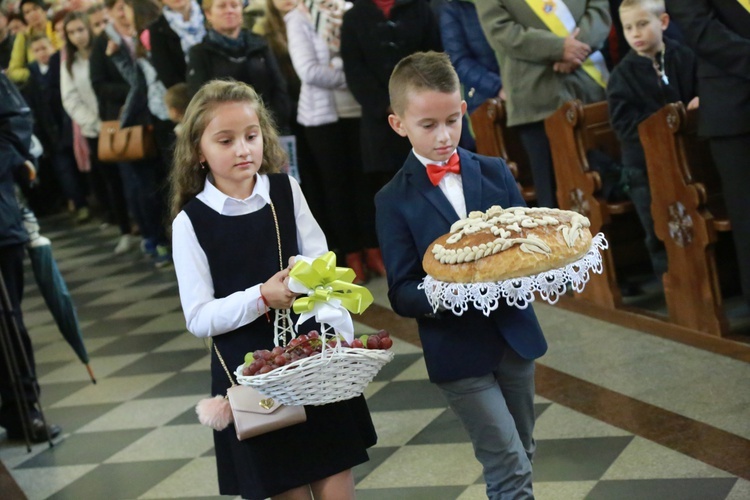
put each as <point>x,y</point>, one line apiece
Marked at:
<point>266,306</point>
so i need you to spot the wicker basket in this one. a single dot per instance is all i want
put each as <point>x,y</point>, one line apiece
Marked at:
<point>336,374</point>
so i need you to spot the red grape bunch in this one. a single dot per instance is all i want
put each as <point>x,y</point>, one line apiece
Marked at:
<point>263,361</point>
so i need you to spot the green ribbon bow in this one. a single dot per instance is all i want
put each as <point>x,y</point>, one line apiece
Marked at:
<point>329,282</point>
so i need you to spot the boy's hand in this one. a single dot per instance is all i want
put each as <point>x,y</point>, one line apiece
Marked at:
<point>111,48</point>
<point>565,67</point>
<point>276,292</point>
<point>575,51</point>
<point>694,103</point>
<point>503,97</point>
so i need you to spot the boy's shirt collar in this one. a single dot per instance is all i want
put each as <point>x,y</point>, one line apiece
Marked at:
<point>425,161</point>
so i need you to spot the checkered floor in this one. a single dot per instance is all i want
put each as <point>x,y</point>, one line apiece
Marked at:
<point>135,435</point>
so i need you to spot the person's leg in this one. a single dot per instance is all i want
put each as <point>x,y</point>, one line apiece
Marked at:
<point>732,157</point>
<point>21,351</point>
<point>300,493</point>
<point>11,266</point>
<point>516,378</point>
<point>332,158</point>
<point>337,487</point>
<point>66,171</point>
<point>483,410</point>
<point>536,144</point>
<point>640,195</point>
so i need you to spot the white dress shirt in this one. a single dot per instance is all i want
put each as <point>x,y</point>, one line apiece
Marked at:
<point>206,315</point>
<point>451,185</point>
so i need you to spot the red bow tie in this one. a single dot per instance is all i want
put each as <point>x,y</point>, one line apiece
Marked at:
<point>437,172</point>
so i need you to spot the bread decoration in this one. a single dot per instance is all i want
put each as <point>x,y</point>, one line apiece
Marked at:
<point>500,244</point>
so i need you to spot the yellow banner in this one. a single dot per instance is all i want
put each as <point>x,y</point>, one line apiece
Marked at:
<point>745,3</point>
<point>545,10</point>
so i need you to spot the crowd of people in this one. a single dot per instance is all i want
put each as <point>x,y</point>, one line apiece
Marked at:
<point>359,97</point>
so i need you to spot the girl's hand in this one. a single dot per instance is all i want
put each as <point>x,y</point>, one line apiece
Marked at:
<point>276,292</point>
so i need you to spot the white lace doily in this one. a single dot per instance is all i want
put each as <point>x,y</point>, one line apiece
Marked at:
<point>517,292</point>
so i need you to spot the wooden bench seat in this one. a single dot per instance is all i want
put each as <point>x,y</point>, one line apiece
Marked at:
<point>573,130</point>
<point>688,213</point>
<point>494,138</point>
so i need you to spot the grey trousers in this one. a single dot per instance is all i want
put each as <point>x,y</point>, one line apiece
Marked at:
<point>497,410</point>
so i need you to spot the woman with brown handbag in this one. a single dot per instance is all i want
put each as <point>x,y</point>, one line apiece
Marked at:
<point>141,179</point>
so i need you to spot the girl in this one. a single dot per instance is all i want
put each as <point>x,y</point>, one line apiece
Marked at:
<point>237,222</point>
<point>80,103</point>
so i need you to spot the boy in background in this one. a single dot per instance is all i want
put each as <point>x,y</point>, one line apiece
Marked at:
<point>177,99</point>
<point>656,72</point>
<point>483,365</point>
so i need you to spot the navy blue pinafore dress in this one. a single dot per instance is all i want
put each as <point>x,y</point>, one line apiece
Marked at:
<point>242,251</point>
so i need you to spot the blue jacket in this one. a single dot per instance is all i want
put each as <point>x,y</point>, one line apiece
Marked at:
<point>470,53</point>
<point>410,214</point>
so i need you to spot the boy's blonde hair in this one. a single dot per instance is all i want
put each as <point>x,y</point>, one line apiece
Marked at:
<point>421,71</point>
<point>656,7</point>
<point>188,176</point>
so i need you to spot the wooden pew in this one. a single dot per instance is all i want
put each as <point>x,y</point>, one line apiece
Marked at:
<point>573,130</point>
<point>494,138</point>
<point>689,216</point>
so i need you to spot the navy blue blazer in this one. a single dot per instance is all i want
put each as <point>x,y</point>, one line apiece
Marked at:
<point>410,214</point>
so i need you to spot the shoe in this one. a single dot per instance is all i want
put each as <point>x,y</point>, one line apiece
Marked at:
<point>163,256</point>
<point>83,215</point>
<point>374,261</point>
<point>148,247</point>
<point>124,244</point>
<point>37,432</point>
<point>354,261</point>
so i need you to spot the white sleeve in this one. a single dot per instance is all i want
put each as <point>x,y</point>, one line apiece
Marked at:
<point>205,315</point>
<point>310,70</point>
<point>310,238</point>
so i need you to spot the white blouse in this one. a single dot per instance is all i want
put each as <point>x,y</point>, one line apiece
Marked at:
<point>206,315</point>
<point>78,96</point>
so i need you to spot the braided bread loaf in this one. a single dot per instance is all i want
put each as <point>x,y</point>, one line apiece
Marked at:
<point>500,244</point>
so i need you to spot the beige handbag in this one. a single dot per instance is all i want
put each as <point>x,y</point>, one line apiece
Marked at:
<point>255,414</point>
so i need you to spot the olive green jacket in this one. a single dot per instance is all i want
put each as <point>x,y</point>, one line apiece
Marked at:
<point>526,52</point>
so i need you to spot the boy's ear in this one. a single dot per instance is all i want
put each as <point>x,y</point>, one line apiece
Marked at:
<point>664,19</point>
<point>397,124</point>
<point>463,108</point>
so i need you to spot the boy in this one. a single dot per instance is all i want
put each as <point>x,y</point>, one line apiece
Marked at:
<point>655,72</point>
<point>483,365</point>
<point>177,99</point>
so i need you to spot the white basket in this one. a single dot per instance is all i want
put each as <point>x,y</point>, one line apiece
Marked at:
<point>516,292</point>
<point>336,374</point>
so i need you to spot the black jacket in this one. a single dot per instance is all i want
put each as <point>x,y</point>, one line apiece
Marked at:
<point>254,64</point>
<point>110,87</point>
<point>16,125</point>
<point>167,56</point>
<point>719,32</point>
<point>371,45</point>
<point>635,92</point>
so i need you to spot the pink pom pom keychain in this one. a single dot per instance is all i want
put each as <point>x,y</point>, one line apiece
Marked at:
<point>214,412</point>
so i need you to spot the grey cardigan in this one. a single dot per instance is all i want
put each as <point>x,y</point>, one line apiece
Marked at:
<point>526,51</point>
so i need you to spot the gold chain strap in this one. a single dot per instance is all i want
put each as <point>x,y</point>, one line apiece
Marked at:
<point>281,267</point>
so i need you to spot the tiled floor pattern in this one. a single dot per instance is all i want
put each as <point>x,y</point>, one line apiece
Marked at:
<point>135,435</point>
